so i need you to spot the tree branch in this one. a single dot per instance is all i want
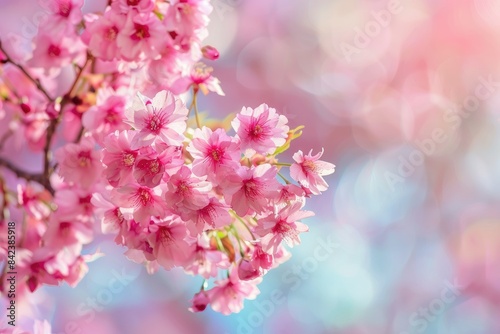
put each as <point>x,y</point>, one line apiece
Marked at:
<point>35,81</point>
<point>39,178</point>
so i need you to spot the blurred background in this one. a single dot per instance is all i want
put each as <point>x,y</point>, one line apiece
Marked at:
<point>404,97</point>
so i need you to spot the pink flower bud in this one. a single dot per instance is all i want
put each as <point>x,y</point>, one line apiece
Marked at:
<point>53,110</point>
<point>210,52</point>
<point>199,302</point>
<point>246,271</point>
<point>25,108</point>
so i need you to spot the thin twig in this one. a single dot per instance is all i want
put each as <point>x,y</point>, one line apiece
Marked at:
<point>53,124</point>
<point>195,105</point>
<point>39,178</point>
<point>35,81</point>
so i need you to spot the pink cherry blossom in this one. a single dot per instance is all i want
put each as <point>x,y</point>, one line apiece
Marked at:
<point>200,199</point>
<point>79,163</point>
<point>74,203</point>
<point>185,191</point>
<point>261,130</point>
<point>215,153</point>
<point>109,214</point>
<point>255,266</point>
<point>200,78</point>
<point>248,271</point>
<point>170,244</point>
<point>61,233</point>
<point>141,37</point>
<point>52,52</point>
<point>188,18</point>
<point>228,294</point>
<point>35,200</point>
<point>308,171</point>
<point>119,157</point>
<point>145,201</point>
<point>290,193</point>
<point>149,169</point>
<point>49,266</point>
<point>282,225</point>
<point>141,6</point>
<point>252,190</point>
<point>164,71</point>
<point>261,258</point>
<point>199,302</point>
<point>65,14</point>
<point>214,215</point>
<point>160,119</point>
<point>102,33</point>
<point>106,116</point>
<point>206,261</point>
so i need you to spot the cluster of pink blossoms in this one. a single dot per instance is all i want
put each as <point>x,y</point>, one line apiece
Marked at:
<point>209,200</point>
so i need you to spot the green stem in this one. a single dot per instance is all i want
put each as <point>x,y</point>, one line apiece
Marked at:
<point>284,178</point>
<point>242,222</point>
<point>235,232</point>
<point>195,105</point>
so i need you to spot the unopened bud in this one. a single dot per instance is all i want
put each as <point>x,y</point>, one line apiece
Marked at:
<point>210,52</point>
<point>25,108</point>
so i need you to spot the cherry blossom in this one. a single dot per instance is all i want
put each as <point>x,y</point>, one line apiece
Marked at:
<point>261,130</point>
<point>308,171</point>
<point>102,33</point>
<point>228,294</point>
<point>283,225</point>
<point>160,119</point>
<point>215,153</point>
<point>252,190</point>
<point>79,163</point>
<point>99,99</point>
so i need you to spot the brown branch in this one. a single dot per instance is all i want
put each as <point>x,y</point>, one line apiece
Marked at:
<point>38,178</point>
<point>35,81</point>
<point>53,124</point>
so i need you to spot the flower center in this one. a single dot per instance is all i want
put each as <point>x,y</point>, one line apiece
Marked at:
<point>182,187</point>
<point>256,131</point>
<point>128,159</point>
<point>164,235</point>
<point>133,2</point>
<point>309,166</point>
<point>251,188</point>
<point>155,123</point>
<point>200,73</point>
<point>144,196</point>
<point>64,229</point>
<point>54,50</point>
<point>111,33</point>
<point>64,8</point>
<point>141,32</point>
<point>154,167</point>
<point>217,154</point>
<point>281,228</point>
<point>84,159</point>
<point>112,117</point>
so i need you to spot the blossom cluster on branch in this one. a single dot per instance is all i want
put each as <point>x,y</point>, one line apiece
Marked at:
<point>98,104</point>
